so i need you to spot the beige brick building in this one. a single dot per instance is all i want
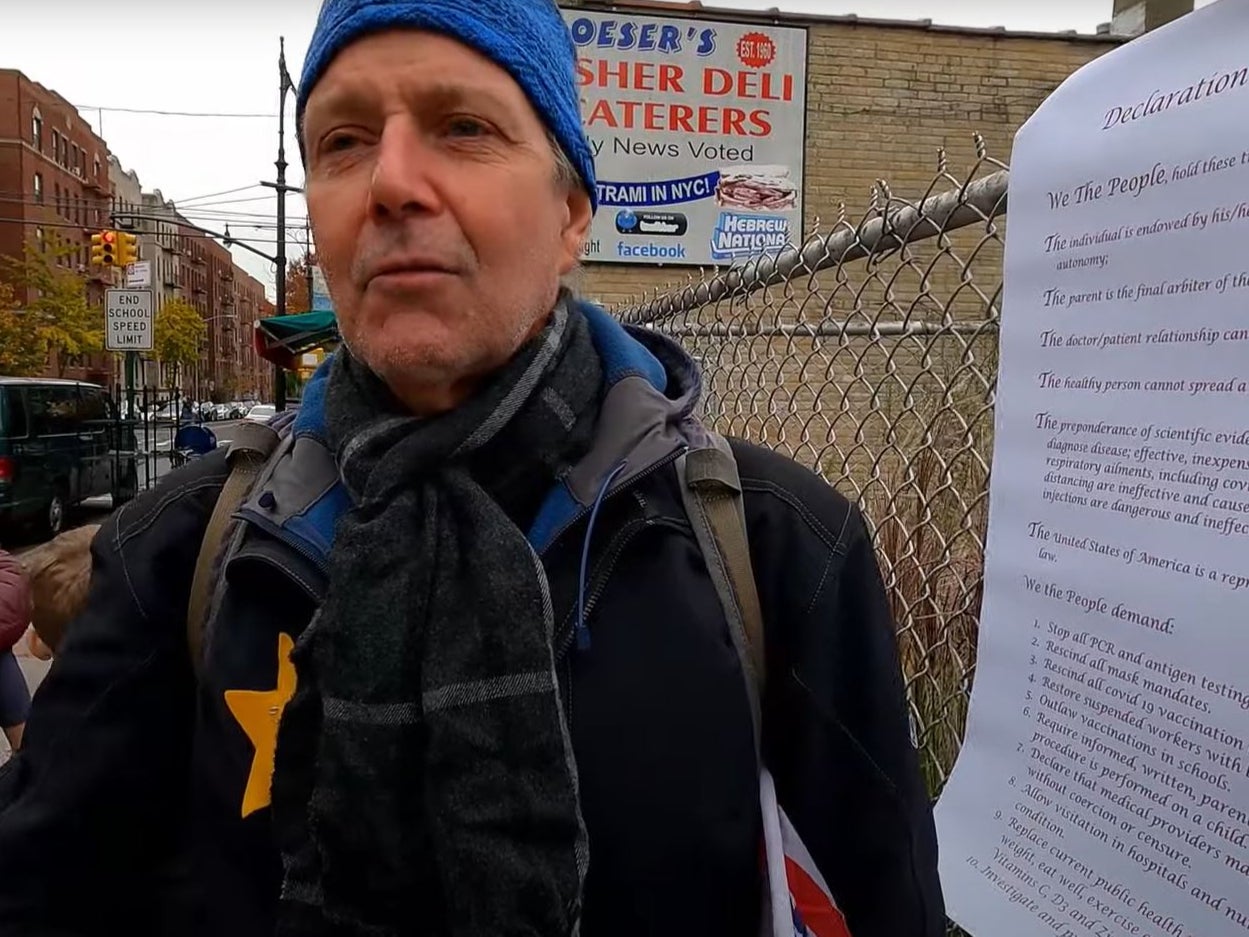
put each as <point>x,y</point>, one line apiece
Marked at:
<point>882,98</point>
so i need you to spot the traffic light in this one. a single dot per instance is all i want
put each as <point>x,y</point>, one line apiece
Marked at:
<point>127,248</point>
<point>104,248</point>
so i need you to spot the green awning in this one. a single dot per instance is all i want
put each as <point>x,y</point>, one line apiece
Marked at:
<point>281,339</point>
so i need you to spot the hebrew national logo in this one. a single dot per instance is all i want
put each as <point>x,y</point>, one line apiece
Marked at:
<point>738,236</point>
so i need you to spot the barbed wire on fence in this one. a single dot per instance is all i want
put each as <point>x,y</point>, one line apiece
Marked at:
<point>869,353</point>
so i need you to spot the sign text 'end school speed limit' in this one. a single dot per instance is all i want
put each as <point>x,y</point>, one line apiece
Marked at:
<point>128,320</point>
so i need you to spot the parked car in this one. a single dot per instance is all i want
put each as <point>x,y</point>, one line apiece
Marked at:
<point>169,413</point>
<point>262,413</point>
<point>61,443</point>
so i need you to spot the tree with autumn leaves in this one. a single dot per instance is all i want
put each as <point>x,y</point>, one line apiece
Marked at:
<point>297,297</point>
<point>179,332</point>
<point>22,350</point>
<point>56,318</point>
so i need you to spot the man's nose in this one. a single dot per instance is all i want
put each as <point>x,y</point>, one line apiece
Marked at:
<point>402,183</point>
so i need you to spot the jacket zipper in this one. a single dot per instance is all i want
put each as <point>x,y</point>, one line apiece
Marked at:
<point>563,658</point>
<point>584,512</point>
<point>613,553</point>
<point>615,550</point>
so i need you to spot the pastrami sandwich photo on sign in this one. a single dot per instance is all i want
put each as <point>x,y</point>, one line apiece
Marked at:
<point>757,188</point>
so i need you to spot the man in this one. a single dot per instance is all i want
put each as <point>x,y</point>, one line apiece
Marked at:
<point>466,670</point>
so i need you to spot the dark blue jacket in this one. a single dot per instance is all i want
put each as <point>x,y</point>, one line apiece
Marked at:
<point>126,811</point>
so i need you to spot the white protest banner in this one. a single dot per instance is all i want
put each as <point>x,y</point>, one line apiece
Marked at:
<point>1103,788</point>
<point>699,133</point>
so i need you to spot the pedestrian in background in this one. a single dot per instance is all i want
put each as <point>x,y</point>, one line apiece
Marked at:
<point>14,621</point>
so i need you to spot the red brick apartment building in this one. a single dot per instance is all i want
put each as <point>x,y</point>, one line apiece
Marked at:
<point>54,187</point>
<point>230,302</point>
<point>55,191</point>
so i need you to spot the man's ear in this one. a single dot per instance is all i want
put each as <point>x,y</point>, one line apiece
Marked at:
<point>576,228</point>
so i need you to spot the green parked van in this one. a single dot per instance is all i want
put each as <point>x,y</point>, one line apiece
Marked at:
<point>60,443</point>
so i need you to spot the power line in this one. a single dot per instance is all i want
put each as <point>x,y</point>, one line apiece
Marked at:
<point>226,201</point>
<point>196,198</point>
<point>160,113</point>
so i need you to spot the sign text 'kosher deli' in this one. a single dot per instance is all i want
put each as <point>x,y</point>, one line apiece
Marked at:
<point>697,129</point>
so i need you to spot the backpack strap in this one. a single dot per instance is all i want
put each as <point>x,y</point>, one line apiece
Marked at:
<point>711,490</point>
<point>249,451</point>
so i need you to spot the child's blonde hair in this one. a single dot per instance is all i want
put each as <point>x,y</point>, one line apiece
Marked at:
<point>60,573</point>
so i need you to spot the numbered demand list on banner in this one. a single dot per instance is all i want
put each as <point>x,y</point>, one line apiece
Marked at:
<point>1103,788</point>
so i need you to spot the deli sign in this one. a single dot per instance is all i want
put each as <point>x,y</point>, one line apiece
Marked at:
<point>698,136</point>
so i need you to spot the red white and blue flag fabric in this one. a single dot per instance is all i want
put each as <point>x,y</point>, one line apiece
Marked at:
<point>800,903</point>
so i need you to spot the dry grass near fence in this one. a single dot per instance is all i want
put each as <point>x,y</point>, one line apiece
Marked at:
<point>931,557</point>
<point>927,501</point>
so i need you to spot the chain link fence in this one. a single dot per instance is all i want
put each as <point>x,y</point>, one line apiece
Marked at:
<point>869,354</point>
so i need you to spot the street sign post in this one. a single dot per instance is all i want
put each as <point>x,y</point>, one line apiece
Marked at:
<point>129,326</point>
<point>128,321</point>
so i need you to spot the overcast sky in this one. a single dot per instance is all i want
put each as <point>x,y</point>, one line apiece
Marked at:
<point>221,57</point>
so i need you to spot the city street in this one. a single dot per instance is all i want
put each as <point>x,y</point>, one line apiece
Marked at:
<point>95,511</point>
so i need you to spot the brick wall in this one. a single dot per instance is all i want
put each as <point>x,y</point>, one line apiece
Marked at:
<point>250,304</point>
<point>881,100</point>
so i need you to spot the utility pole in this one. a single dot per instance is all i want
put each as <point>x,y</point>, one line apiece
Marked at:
<point>284,77</point>
<point>308,259</point>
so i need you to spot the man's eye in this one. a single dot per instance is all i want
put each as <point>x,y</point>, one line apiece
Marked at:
<point>337,142</point>
<point>467,127</point>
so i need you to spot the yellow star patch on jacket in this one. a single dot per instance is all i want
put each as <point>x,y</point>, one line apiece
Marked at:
<point>257,713</point>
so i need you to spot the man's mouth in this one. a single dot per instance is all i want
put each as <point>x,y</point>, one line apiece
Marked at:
<point>415,271</point>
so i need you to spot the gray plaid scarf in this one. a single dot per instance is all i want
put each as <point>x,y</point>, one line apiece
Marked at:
<point>425,781</point>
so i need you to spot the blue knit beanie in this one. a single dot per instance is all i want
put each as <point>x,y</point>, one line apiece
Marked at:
<point>527,38</point>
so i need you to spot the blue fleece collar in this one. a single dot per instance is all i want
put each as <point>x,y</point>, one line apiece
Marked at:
<point>621,355</point>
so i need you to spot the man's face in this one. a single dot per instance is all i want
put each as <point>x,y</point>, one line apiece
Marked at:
<point>440,223</point>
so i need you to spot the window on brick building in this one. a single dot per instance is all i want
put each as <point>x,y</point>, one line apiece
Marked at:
<point>73,162</point>
<point>56,188</point>
<point>38,188</point>
<point>97,167</point>
<point>41,240</point>
<point>36,129</point>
